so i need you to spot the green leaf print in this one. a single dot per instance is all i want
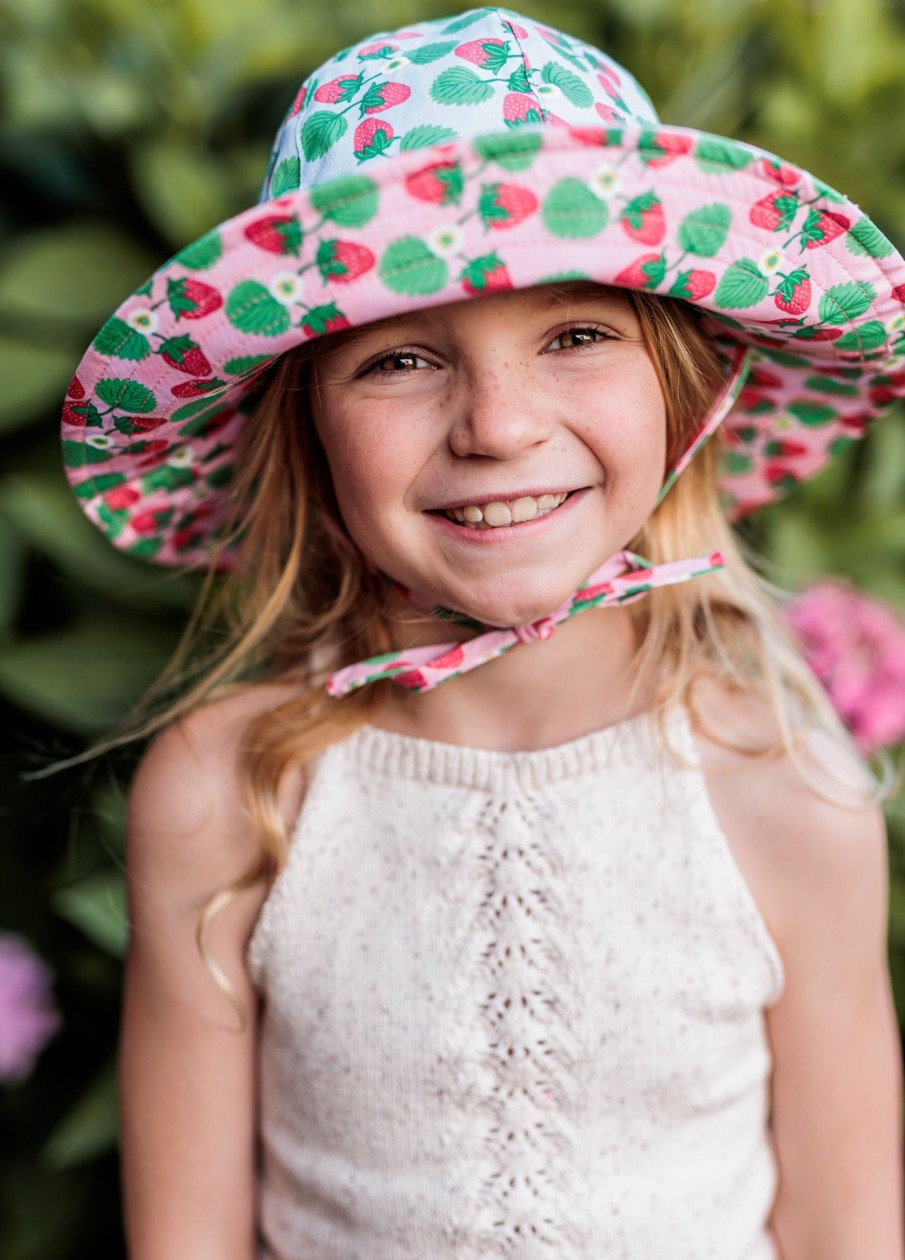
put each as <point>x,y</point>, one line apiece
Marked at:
<point>572,87</point>
<point>571,210</point>
<point>704,231</point>
<point>742,284</point>
<point>100,484</point>
<point>286,178</point>
<point>811,414</point>
<point>460,86</point>
<point>830,385</point>
<point>320,132</point>
<point>844,302</point>
<point>408,266</point>
<point>468,20</point>
<point>514,152</point>
<point>120,341</point>
<point>126,395</point>
<point>870,336</point>
<point>864,237</point>
<point>426,135</point>
<point>518,81</point>
<point>245,364</point>
<point>202,253</point>
<point>430,52</point>
<point>77,454</point>
<point>252,308</point>
<point>350,201</point>
<point>717,156</point>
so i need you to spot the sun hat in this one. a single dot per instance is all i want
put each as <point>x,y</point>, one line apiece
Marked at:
<point>465,156</point>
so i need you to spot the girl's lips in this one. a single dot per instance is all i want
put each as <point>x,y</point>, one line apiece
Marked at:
<point>511,533</point>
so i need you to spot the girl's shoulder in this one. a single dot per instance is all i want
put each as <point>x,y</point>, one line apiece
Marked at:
<point>803,831</point>
<point>188,823</point>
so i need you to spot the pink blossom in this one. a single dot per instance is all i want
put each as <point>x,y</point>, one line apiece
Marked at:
<point>28,1016</point>
<point>856,647</point>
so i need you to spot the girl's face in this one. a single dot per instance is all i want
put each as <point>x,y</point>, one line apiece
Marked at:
<point>515,396</point>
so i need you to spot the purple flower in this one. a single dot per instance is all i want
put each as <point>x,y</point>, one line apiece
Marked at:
<point>28,1016</point>
<point>856,647</point>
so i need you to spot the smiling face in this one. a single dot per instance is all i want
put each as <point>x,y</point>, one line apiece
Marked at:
<point>516,396</point>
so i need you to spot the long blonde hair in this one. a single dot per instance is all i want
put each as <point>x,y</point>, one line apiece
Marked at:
<point>301,599</point>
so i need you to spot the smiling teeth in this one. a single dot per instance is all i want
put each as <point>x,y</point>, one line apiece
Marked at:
<point>506,512</point>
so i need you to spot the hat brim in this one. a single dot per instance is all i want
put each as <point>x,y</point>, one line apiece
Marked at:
<point>778,261</point>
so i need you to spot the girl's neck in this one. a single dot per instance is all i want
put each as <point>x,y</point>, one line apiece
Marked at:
<point>536,696</point>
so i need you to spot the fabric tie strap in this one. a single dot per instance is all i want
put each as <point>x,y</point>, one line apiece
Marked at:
<point>625,577</point>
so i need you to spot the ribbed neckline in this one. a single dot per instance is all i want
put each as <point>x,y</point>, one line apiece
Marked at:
<point>632,743</point>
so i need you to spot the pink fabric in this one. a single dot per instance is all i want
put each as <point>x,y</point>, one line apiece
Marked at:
<point>624,578</point>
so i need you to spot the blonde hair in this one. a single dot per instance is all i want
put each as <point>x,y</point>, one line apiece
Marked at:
<point>301,599</point>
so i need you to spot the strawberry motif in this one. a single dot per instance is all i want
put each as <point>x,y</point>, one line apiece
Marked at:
<point>299,103</point>
<point>659,148</point>
<point>779,172</point>
<point>764,378</point>
<point>821,227</point>
<point>607,113</point>
<point>643,219</point>
<point>381,96</point>
<point>190,299</point>
<point>277,233</point>
<point>818,334</point>
<point>148,449</point>
<point>412,680</point>
<point>779,476</point>
<point>339,91</point>
<point>194,389</point>
<point>782,448</point>
<point>519,108</point>
<point>184,538</point>
<point>372,138</point>
<point>489,54</point>
<point>139,424</point>
<point>121,497</point>
<point>377,52</point>
<point>323,319</point>
<point>898,293</point>
<point>518,31</point>
<point>149,522</point>
<point>608,85</point>
<point>505,205</point>
<point>486,274</point>
<point>449,660</point>
<point>645,272</point>
<point>794,292</point>
<point>342,261</point>
<point>755,403</point>
<point>76,389</point>
<point>693,285</point>
<point>440,183</point>
<point>73,414</point>
<point>185,355</point>
<point>774,212</point>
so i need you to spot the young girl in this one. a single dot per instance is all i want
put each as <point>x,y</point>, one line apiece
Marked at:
<point>549,892</point>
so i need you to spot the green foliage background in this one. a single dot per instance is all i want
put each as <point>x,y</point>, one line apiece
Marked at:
<point>128,129</point>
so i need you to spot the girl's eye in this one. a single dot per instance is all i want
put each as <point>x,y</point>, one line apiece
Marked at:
<point>401,361</point>
<point>576,338</point>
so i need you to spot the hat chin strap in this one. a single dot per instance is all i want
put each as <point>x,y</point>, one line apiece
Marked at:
<point>622,579</point>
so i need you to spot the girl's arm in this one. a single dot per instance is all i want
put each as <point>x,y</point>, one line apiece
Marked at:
<point>837,1083</point>
<point>186,1074</point>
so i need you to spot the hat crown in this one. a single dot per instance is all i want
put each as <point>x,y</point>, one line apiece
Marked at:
<point>488,70</point>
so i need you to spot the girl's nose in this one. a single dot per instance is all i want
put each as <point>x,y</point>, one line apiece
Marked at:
<point>497,416</point>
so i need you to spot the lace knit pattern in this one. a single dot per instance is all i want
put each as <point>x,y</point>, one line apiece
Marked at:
<point>513,1007</point>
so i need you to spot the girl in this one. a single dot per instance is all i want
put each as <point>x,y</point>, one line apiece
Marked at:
<point>549,892</point>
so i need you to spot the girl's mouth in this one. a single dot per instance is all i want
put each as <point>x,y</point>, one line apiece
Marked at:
<point>503,513</point>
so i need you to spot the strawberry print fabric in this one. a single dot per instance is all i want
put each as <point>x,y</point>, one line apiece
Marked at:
<point>461,157</point>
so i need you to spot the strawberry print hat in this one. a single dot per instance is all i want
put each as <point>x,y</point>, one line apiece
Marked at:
<point>470,155</point>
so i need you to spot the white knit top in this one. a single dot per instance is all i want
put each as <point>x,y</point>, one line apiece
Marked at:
<point>513,1006</point>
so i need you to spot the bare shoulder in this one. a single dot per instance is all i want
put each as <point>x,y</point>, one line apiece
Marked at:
<point>804,857</point>
<point>189,832</point>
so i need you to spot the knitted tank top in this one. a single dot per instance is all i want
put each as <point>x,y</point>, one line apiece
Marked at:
<point>513,1006</point>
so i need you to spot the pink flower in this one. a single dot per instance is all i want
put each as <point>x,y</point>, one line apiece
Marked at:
<point>28,1016</point>
<point>856,647</point>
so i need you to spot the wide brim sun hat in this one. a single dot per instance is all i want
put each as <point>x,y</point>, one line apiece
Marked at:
<point>466,156</point>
